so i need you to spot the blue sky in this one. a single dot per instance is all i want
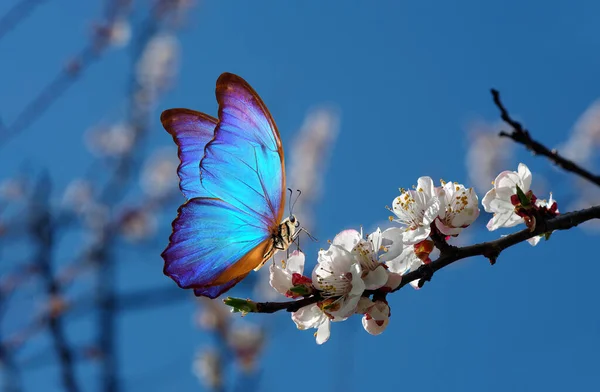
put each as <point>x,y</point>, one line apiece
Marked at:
<point>408,77</point>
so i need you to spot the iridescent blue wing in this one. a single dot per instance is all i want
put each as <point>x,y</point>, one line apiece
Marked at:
<point>191,131</point>
<point>210,237</point>
<point>215,291</point>
<point>244,164</point>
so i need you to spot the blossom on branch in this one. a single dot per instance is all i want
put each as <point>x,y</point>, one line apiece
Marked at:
<point>512,202</point>
<point>498,199</point>
<point>416,210</point>
<point>459,208</point>
<point>288,279</point>
<point>376,315</point>
<point>338,275</point>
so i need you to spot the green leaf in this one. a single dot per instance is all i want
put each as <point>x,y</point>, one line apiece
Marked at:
<point>241,305</point>
<point>523,199</point>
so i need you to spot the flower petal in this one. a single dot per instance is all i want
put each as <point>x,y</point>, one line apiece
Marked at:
<point>323,332</point>
<point>280,279</point>
<point>426,184</point>
<point>446,230</point>
<point>376,279</point>
<point>347,239</point>
<point>393,241</point>
<point>525,176</point>
<point>308,317</point>
<point>405,262</point>
<point>295,263</point>
<point>417,235</point>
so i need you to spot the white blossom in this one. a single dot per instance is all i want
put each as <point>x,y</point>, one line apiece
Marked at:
<point>312,316</point>
<point>338,275</point>
<point>366,252</point>
<point>498,199</point>
<point>459,208</point>
<point>416,210</point>
<point>281,276</point>
<point>376,315</point>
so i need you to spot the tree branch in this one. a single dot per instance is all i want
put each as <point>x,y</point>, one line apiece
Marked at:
<point>522,136</point>
<point>43,231</point>
<point>450,254</point>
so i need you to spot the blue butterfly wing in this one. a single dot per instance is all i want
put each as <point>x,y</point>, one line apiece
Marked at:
<point>210,235</point>
<point>244,163</point>
<point>215,291</point>
<point>191,131</point>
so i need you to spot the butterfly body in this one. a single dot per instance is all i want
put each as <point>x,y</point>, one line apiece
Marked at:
<point>232,173</point>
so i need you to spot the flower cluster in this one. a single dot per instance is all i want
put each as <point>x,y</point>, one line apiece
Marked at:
<point>354,275</point>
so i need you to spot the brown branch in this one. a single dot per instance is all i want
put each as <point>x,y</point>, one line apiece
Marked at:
<point>522,136</point>
<point>449,255</point>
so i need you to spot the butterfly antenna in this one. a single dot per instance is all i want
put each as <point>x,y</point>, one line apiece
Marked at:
<point>295,201</point>
<point>290,202</point>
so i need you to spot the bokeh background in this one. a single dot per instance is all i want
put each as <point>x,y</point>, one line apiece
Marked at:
<point>368,96</point>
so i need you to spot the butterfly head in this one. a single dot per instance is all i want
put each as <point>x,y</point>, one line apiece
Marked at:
<point>288,229</point>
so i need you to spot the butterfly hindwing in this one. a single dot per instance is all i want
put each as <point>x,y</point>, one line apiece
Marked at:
<point>215,291</point>
<point>210,236</point>
<point>191,131</point>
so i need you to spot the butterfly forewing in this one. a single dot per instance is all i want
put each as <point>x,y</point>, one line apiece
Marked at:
<point>243,164</point>
<point>191,131</point>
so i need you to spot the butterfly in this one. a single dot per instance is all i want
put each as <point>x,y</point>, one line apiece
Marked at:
<point>233,176</point>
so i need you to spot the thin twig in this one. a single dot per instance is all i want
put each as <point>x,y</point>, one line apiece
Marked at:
<point>451,254</point>
<point>522,136</point>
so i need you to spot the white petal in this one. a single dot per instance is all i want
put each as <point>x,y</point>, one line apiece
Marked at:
<point>347,308</point>
<point>376,239</point>
<point>323,332</point>
<point>508,183</point>
<point>487,199</point>
<point>403,263</point>
<point>380,311</point>
<point>426,183</point>
<point>415,284</point>
<point>446,230</point>
<point>505,219</point>
<point>443,196</point>
<point>525,176</point>
<point>308,317</point>
<point>364,304</point>
<point>431,211</point>
<point>466,216</point>
<point>279,279</point>
<point>372,326</point>
<point>347,239</point>
<point>417,235</point>
<point>534,240</point>
<point>295,263</point>
<point>392,239</point>
<point>376,279</point>
<point>358,285</point>
<point>393,281</point>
